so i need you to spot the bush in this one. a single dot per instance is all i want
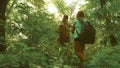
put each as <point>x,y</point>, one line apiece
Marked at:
<point>108,57</point>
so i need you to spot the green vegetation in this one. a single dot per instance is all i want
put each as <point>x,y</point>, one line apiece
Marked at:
<point>30,35</point>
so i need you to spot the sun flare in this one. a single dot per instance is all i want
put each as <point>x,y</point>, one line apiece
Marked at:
<point>51,8</point>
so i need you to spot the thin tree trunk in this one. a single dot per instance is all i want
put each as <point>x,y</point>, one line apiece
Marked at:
<point>3,4</point>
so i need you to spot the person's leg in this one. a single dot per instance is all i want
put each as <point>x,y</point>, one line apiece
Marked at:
<point>79,47</point>
<point>82,47</point>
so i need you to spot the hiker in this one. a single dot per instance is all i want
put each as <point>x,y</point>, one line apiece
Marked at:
<point>79,46</point>
<point>64,31</point>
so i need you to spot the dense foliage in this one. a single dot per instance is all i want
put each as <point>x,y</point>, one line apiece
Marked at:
<point>31,36</point>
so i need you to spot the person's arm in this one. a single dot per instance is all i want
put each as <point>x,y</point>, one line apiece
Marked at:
<point>72,28</point>
<point>78,26</point>
<point>58,29</point>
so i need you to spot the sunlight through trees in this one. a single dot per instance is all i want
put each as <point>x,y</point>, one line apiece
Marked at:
<point>28,33</point>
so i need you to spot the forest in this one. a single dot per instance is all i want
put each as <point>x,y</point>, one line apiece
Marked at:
<point>28,33</point>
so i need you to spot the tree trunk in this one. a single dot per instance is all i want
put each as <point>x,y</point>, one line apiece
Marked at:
<point>3,4</point>
<point>102,3</point>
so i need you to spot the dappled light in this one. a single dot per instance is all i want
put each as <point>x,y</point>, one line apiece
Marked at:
<point>59,34</point>
<point>69,2</point>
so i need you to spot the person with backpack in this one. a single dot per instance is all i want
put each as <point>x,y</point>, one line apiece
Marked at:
<point>79,45</point>
<point>64,31</point>
<point>84,33</point>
